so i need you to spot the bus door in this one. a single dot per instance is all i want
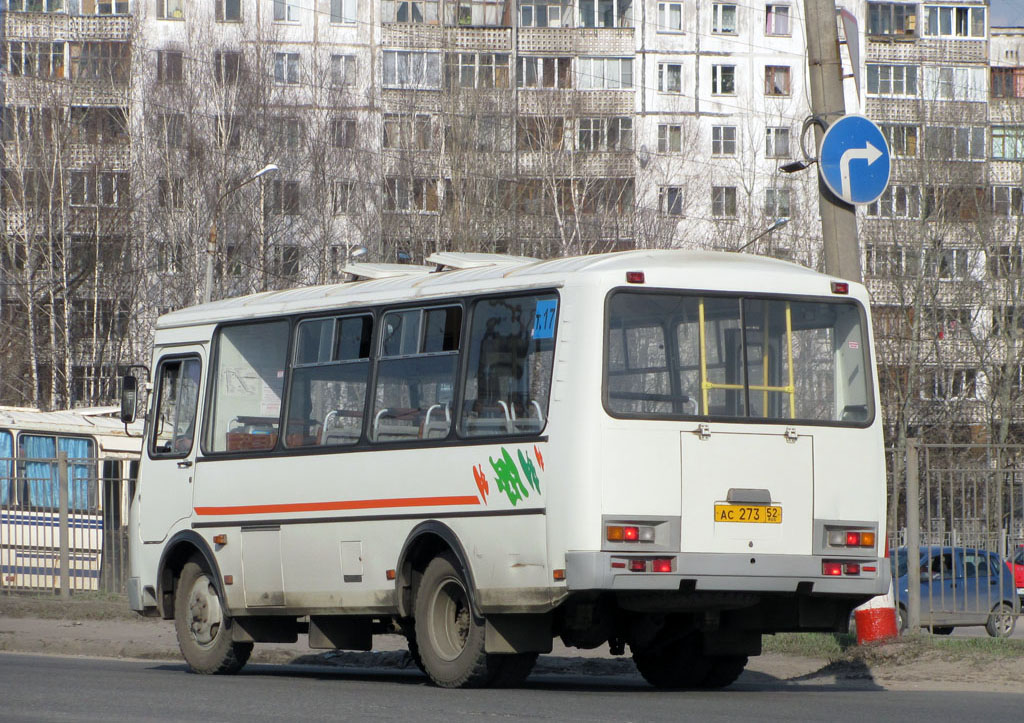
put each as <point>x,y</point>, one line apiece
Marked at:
<point>166,483</point>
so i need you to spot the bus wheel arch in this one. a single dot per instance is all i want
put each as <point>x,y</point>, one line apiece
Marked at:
<point>178,551</point>
<point>425,542</point>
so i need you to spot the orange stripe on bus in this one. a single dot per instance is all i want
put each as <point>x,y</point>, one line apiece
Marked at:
<point>339,505</point>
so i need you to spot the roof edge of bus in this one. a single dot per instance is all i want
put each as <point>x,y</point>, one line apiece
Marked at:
<point>469,268</point>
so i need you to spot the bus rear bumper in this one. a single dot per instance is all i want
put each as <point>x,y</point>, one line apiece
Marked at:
<point>588,570</point>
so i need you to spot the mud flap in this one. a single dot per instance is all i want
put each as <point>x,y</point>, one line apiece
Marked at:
<point>518,633</point>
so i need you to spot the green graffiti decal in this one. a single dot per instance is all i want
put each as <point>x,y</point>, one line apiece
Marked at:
<point>529,471</point>
<point>508,478</point>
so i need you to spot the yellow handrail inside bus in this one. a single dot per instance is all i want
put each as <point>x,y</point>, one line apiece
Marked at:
<point>707,385</point>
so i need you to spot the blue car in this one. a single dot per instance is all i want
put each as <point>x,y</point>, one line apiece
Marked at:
<point>959,586</point>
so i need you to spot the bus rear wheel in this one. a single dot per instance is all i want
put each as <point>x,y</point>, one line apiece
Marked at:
<point>678,664</point>
<point>202,626</point>
<point>449,634</point>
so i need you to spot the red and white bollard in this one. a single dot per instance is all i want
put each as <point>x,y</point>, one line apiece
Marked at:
<point>876,619</point>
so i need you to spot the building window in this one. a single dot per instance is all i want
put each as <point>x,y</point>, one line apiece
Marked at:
<point>670,200</point>
<point>945,385</point>
<point>1005,262</point>
<point>171,129</point>
<point>606,13</point>
<point>897,201</point>
<point>410,195</point>
<point>605,134</point>
<point>944,21</point>
<point>409,11</point>
<point>91,124</point>
<point>947,263</point>
<point>83,188</point>
<point>482,13</point>
<point>170,192</point>
<point>343,133</point>
<point>286,68</point>
<point>285,260</point>
<point>1008,200</point>
<point>670,77</point>
<point>229,131</point>
<point>402,130</point>
<point>227,66</point>
<point>670,138</point>
<point>343,11</point>
<point>723,140</point>
<point>415,69</point>
<point>108,62</point>
<point>476,70</point>
<point>228,11</point>
<point>723,79</point>
<point>605,73</point>
<point>902,139</point>
<point>287,11</point>
<point>38,6</point>
<point>169,66</point>
<point>343,70</point>
<point>1008,82</point>
<point>544,14</point>
<point>892,80</point>
<point>723,18</point>
<point>892,261</point>
<point>956,143</point>
<point>723,201</point>
<point>776,142</point>
<point>38,60</point>
<point>954,203</point>
<point>168,9</point>
<point>776,202</point>
<point>534,72</point>
<point>892,19</point>
<point>286,132</point>
<point>776,20</point>
<point>776,80</point>
<point>537,133</point>
<point>1008,143</point>
<point>282,198</point>
<point>670,17</point>
<point>950,83</point>
<point>343,197</point>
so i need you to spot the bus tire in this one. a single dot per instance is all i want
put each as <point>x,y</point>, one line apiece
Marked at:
<point>725,669</point>
<point>449,635</point>
<point>512,670</point>
<point>408,628</point>
<point>678,664</point>
<point>202,626</point>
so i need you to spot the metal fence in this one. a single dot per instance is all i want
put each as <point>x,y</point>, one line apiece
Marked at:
<point>963,509</point>
<point>63,525</point>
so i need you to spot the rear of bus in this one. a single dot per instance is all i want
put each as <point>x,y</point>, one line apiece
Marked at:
<point>741,467</point>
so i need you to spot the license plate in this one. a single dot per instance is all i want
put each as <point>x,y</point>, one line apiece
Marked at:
<point>763,514</point>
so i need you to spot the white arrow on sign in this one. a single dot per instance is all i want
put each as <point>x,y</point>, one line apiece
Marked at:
<point>869,153</point>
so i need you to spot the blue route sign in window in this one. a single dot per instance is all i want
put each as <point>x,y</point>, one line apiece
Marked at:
<point>544,319</point>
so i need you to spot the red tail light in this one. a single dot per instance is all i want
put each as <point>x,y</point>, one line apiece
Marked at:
<point>663,565</point>
<point>853,538</point>
<point>638,566</point>
<point>832,569</point>
<point>631,534</point>
<point>852,568</point>
<point>634,277</point>
<point>840,287</point>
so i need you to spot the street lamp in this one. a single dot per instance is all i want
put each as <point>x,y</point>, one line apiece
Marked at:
<point>211,246</point>
<point>776,225</point>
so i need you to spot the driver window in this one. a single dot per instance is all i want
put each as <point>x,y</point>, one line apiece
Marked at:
<point>174,419</point>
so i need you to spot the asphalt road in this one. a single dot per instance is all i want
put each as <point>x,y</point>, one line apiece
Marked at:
<point>36,688</point>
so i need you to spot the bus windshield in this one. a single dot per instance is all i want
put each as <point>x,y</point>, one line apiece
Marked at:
<point>684,355</point>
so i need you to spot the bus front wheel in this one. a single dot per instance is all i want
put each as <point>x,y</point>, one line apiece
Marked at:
<point>202,626</point>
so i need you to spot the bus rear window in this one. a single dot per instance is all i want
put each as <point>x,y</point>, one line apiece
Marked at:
<point>679,355</point>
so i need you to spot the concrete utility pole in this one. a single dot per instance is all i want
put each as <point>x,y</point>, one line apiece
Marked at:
<point>825,72</point>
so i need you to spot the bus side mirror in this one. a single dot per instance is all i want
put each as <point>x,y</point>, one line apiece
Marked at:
<point>129,398</point>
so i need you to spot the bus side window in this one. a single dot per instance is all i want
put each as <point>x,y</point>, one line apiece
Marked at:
<point>419,359</point>
<point>248,383</point>
<point>511,349</point>
<point>6,468</point>
<point>174,421</point>
<point>327,396</point>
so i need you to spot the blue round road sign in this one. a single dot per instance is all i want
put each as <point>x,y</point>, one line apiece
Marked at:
<point>854,159</point>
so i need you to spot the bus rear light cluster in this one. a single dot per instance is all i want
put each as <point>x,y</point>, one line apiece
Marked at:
<point>851,538</point>
<point>838,569</point>
<point>643,564</point>
<point>629,533</point>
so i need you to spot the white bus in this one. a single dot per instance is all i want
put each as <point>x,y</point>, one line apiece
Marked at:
<point>675,451</point>
<point>102,460</point>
